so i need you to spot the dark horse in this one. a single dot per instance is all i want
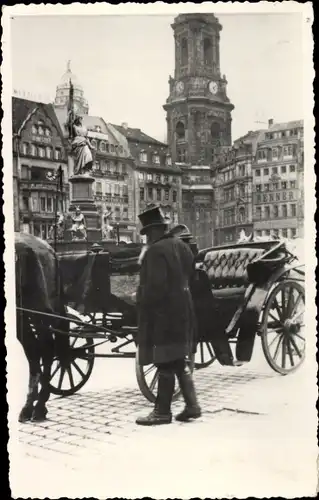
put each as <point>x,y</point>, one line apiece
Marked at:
<point>38,288</point>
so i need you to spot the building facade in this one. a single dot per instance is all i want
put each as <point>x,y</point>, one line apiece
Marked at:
<point>38,150</point>
<point>232,181</point>
<point>198,114</point>
<point>156,179</point>
<point>278,199</point>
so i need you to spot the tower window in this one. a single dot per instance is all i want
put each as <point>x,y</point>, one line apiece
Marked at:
<point>215,131</point>
<point>180,130</point>
<point>184,54</point>
<point>208,52</point>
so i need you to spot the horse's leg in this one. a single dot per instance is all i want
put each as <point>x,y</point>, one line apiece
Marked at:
<point>30,346</point>
<point>46,345</point>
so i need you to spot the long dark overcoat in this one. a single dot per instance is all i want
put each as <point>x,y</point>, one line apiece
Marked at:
<point>166,317</point>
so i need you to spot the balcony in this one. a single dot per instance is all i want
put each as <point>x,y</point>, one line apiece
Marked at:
<point>108,174</point>
<point>41,185</point>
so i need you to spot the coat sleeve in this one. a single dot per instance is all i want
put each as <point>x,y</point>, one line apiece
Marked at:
<point>155,288</point>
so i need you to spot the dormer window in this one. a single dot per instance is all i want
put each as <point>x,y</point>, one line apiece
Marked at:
<point>143,156</point>
<point>40,130</point>
<point>34,129</point>
<point>47,132</point>
<point>156,159</point>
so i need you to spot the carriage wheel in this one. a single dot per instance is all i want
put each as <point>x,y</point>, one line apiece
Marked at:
<point>204,356</point>
<point>147,378</point>
<point>71,371</point>
<point>282,331</point>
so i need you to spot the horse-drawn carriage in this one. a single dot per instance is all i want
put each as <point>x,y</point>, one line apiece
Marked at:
<point>240,291</point>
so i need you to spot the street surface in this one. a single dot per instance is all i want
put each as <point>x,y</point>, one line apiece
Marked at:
<point>257,437</point>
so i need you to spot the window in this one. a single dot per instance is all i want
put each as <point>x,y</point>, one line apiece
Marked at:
<point>34,129</point>
<point>40,130</point>
<point>125,213</point>
<point>158,195</point>
<point>292,184</point>
<point>292,168</point>
<point>48,151</point>
<point>208,52</point>
<point>98,188</point>
<point>25,148</point>
<point>42,204</point>
<point>267,232</point>
<point>266,171</point>
<point>258,213</point>
<point>262,154</point>
<point>169,160</point>
<point>284,233</point>
<point>125,190</point>
<point>293,232</point>
<point>174,196</point>
<point>242,191</point>
<point>181,155</point>
<point>266,187</point>
<point>33,150</point>
<point>150,193</point>
<point>241,215</point>
<point>166,194</point>
<point>156,159</point>
<point>275,186</point>
<point>49,204</point>
<point>276,211</point>
<point>267,212</point>
<point>215,131</point>
<point>274,171</point>
<point>293,210</point>
<point>165,178</point>
<point>276,233</point>
<point>258,188</point>
<point>143,156</point>
<point>24,172</point>
<point>180,130</point>
<point>149,177</point>
<point>284,185</point>
<point>274,153</point>
<point>158,178</point>
<point>258,172</point>
<point>284,211</point>
<point>57,154</point>
<point>102,146</point>
<point>41,152</point>
<point>25,203</point>
<point>184,52</point>
<point>141,176</point>
<point>117,189</point>
<point>142,194</point>
<point>283,169</point>
<point>287,151</point>
<point>258,233</point>
<point>47,132</point>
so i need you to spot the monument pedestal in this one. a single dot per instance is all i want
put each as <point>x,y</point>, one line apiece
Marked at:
<point>82,197</point>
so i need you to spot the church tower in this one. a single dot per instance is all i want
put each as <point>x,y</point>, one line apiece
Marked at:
<point>198,114</point>
<point>81,106</point>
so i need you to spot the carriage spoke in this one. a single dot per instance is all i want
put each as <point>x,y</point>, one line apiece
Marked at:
<point>274,340</point>
<point>277,308</point>
<point>211,352</point>
<point>292,340</point>
<point>70,377</point>
<point>283,353</point>
<point>149,370</point>
<point>202,352</point>
<point>299,336</point>
<point>56,370</point>
<point>283,302</point>
<point>61,377</point>
<point>290,301</point>
<point>276,320</point>
<point>296,304</point>
<point>78,368</point>
<point>277,348</point>
<point>290,352</point>
<point>154,380</point>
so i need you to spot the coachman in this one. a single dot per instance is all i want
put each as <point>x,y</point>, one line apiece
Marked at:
<point>166,319</point>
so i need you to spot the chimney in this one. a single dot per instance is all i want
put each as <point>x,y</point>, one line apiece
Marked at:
<point>125,125</point>
<point>270,122</point>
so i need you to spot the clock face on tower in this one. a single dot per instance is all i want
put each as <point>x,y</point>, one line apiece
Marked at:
<point>213,87</point>
<point>179,87</point>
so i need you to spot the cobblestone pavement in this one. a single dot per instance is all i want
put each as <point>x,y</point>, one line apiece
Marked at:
<point>95,431</point>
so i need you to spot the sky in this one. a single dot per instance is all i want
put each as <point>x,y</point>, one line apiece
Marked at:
<point>124,62</point>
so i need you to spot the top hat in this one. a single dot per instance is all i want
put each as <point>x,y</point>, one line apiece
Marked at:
<point>182,232</point>
<point>152,217</point>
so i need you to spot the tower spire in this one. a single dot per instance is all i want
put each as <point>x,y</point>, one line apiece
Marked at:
<point>68,66</point>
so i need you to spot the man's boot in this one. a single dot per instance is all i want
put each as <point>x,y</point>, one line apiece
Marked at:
<point>162,411</point>
<point>192,408</point>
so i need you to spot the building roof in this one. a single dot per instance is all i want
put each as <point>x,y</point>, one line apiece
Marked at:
<point>136,134</point>
<point>23,108</point>
<point>285,126</point>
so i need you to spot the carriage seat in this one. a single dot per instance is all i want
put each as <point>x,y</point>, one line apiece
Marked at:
<point>227,269</point>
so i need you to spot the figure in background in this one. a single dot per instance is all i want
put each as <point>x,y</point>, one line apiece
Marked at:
<point>106,230</point>
<point>57,228</point>
<point>81,148</point>
<point>78,229</point>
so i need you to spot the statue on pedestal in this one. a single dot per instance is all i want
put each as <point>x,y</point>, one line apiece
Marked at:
<point>81,148</point>
<point>78,229</point>
<point>57,228</point>
<point>106,228</point>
